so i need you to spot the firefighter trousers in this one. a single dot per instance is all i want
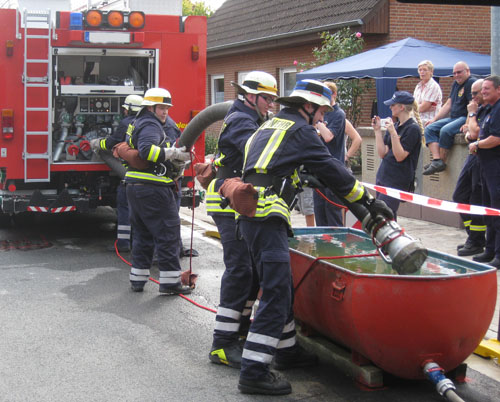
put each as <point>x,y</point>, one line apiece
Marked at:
<point>469,191</point>
<point>239,285</point>
<point>491,198</point>
<point>273,327</point>
<point>122,215</point>
<point>155,223</point>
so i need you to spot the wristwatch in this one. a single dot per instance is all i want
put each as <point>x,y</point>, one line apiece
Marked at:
<point>472,114</point>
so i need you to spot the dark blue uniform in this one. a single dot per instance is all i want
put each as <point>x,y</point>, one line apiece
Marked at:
<point>173,133</point>
<point>327,214</point>
<point>489,160</point>
<point>153,206</point>
<point>400,175</point>
<point>469,190</point>
<point>122,210</point>
<point>239,285</point>
<point>278,149</point>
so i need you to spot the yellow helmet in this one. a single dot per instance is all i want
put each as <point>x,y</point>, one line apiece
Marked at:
<point>157,96</point>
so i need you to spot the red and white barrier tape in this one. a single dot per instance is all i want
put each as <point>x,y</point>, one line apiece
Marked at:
<point>51,210</point>
<point>433,202</point>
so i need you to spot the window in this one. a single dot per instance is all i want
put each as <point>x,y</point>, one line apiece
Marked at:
<point>217,88</point>
<point>287,80</point>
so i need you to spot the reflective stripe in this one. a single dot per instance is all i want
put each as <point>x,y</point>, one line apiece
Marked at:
<point>477,228</point>
<point>467,223</point>
<point>256,356</point>
<point>123,227</point>
<point>286,343</point>
<point>246,311</point>
<point>123,236</point>
<point>262,339</point>
<point>138,278</point>
<point>102,144</point>
<point>289,327</point>
<point>154,153</point>
<point>169,277</point>
<point>213,200</point>
<point>218,161</point>
<point>227,326</point>
<point>148,176</point>
<point>227,312</point>
<point>356,193</point>
<point>272,145</point>
<point>137,271</point>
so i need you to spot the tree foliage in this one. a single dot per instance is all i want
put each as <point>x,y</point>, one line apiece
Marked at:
<point>336,46</point>
<point>196,8</point>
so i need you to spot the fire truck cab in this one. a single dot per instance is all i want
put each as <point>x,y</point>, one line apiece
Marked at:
<point>64,80</point>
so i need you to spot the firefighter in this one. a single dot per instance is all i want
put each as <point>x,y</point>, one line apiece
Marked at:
<point>131,106</point>
<point>151,196</point>
<point>272,156</point>
<point>238,285</point>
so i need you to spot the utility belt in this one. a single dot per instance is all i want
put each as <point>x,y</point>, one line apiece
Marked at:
<point>283,187</point>
<point>161,169</point>
<point>226,172</point>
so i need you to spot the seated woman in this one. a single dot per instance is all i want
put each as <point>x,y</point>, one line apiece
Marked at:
<point>399,147</point>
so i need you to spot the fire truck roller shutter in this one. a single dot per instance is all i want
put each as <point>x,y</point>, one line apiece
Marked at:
<point>201,121</point>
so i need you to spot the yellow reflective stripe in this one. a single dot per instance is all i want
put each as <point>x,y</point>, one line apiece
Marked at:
<point>271,147</point>
<point>218,161</point>
<point>477,228</point>
<point>356,193</point>
<point>154,153</point>
<point>247,147</point>
<point>102,144</point>
<point>295,178</point>
<point>213,200</point>
<point>130,130</point>
<point>148,176</point>
<point>467,223</point>
<point>267,88</point>
<point>271,205</point>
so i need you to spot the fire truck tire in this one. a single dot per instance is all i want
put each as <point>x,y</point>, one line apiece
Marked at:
<point>201,121</point>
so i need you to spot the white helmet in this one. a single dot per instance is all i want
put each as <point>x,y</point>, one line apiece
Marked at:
<point>132,103</point>
<point>257,82</point>
<point>308,91</point>
<point>157,96</point>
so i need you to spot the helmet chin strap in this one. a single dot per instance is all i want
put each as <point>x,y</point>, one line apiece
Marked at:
<point>310,115</point>
<point>261,117</point>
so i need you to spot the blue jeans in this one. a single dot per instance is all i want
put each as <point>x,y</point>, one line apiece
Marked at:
<point>444,131</point>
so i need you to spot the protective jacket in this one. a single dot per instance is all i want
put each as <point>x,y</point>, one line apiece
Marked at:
<point>240,123</point>
<point>119,135</point>
<point>277,149</point>
<point>147,135</point>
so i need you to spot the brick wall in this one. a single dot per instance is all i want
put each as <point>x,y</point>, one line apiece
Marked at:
<point>463,27</point>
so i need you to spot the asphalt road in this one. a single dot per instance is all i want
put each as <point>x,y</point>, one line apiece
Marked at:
<point>71,329</point>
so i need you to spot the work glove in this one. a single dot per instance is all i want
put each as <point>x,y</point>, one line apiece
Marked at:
<point>309,180</point>
<point>178,168</point>
<point>378,208</point>
<point>95,144</point>
<point>179,154</point>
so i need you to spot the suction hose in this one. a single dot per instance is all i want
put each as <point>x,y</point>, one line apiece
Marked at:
<point>201,121</point>
<point>444,386</point>
<point>193,130</point>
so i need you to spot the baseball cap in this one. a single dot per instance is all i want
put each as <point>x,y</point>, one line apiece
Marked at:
<point>402,97</point>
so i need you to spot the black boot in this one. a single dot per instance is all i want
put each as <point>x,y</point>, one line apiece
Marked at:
<point>271,384</point>
<point>484,257</point>
<point>469,249</point>
<point>297,357</point>
<point>178,289</point>
<point>495,263</point>
<point>229,355</point>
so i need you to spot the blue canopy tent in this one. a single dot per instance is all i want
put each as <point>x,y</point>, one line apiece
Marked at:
<point>398,60</point>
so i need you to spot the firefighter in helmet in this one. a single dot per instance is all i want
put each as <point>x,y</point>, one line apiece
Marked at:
<point>151,196</point>
<point>272,156</point>
<point>238,285</point>
<point>131,107</point>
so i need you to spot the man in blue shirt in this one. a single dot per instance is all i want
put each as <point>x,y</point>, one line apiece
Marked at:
<point>440,131</point>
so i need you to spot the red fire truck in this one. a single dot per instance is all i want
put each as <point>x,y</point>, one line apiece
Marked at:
<point>63,82</point>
